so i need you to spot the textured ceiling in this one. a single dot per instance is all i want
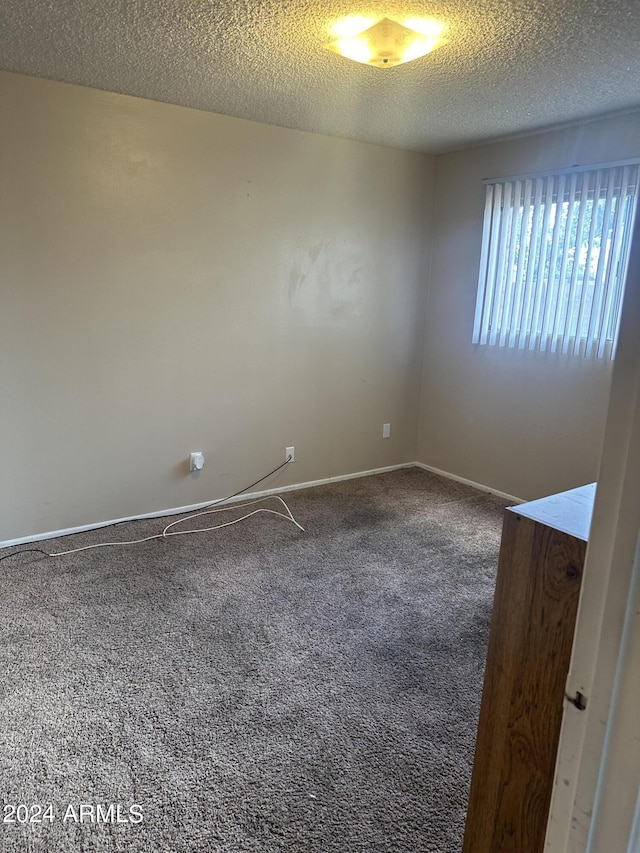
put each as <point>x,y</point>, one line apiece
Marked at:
<point>509,67</point>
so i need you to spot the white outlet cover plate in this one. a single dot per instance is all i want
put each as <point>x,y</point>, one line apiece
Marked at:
<point>196,461</point>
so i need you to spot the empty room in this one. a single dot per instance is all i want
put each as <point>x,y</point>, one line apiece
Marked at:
<point>319,427</point>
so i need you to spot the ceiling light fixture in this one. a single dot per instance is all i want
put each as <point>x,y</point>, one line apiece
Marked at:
<point>386,43</point>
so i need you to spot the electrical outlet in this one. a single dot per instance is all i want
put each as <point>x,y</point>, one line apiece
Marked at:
<point>290,452</point>
<point>386,430</point>
<point>196,461</point>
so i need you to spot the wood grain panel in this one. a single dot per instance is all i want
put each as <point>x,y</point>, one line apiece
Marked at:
<point>532,627</point>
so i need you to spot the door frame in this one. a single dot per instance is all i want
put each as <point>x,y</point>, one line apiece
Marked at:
<point>595,804</point>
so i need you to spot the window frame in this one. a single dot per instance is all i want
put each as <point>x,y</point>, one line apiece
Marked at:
<point>529,222</point>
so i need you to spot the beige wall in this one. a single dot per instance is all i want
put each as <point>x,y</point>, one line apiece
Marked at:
<point>524,423</point>
<point>173,280</point>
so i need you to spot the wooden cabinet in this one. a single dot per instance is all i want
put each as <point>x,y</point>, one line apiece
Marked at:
<point>534,612</point>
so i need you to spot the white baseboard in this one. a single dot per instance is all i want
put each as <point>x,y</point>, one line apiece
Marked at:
<point>68,531</point>
<point>511,498</point>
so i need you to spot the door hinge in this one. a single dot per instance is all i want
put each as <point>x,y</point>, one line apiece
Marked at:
<point>579,700</point>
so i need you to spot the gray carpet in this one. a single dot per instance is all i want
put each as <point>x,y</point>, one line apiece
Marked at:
<point>254,689</point>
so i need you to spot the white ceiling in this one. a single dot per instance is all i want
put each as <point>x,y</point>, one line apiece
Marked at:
<point>509,67</point>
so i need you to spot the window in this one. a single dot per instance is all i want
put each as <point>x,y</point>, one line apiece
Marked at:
<point>554,255</point>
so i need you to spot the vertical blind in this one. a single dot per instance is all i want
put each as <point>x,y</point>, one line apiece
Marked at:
<point>553,263</point>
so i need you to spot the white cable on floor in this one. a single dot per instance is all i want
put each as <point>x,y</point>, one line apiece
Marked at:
<point>166,535</point>
<point>288,516</point>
